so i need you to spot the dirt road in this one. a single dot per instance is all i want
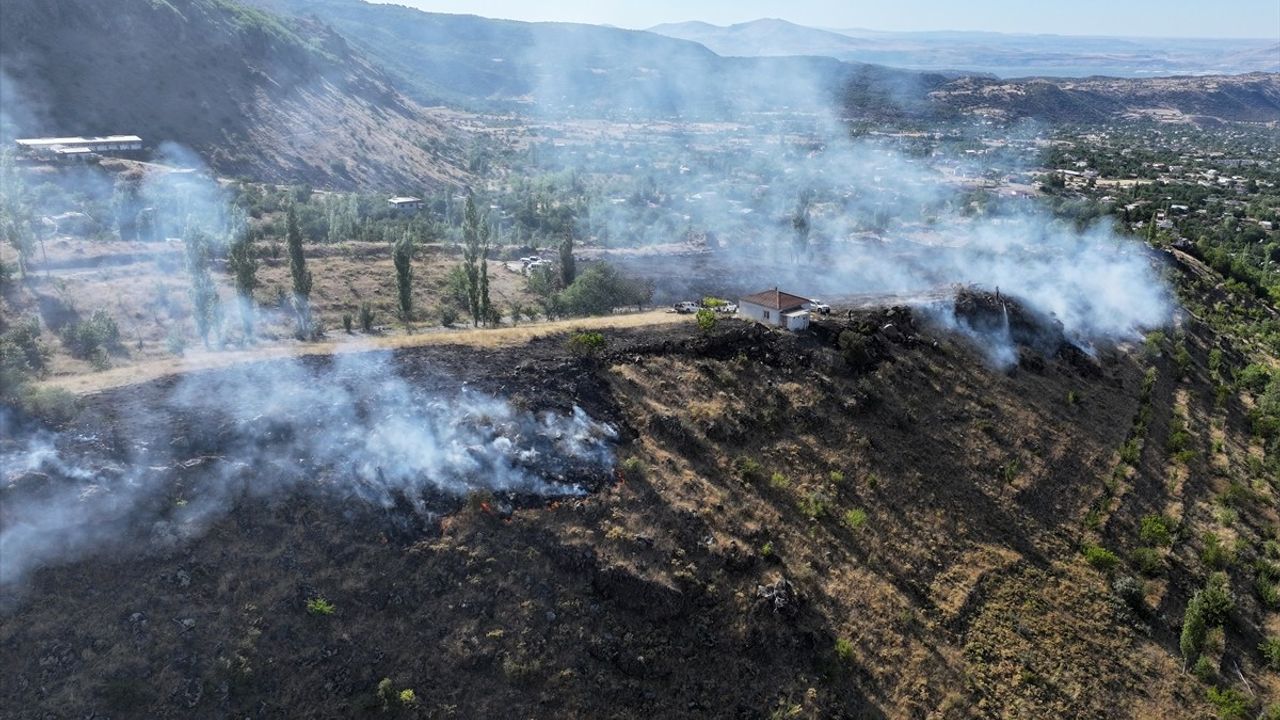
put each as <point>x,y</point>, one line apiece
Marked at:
<point>130,374</point>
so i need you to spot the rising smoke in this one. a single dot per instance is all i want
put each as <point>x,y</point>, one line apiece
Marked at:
<point>884,221</point>
<point>355,432</point>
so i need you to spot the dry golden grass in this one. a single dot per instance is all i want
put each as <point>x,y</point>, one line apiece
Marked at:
<point>487,338</point>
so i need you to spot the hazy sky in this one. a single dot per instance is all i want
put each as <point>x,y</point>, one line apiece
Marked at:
<point>1165,18</point>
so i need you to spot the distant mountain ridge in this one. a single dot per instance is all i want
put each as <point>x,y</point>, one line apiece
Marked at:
<point>574,69</point>
<point>584,70</point>
<point>1005,55</point>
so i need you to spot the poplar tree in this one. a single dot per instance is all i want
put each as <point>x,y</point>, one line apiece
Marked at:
<point>244,270</point>
<point>475,241</point>
<point>300,274</point>
<point>206,310</point>
<point>402,256</point>
<point>568,267</point>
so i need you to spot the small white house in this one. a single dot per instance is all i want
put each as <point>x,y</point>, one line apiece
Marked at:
<point>406,203</point>
<point>777,308</point>
<point>76,148</point>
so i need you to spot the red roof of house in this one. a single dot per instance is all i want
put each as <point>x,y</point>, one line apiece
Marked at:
<point>775,299</point>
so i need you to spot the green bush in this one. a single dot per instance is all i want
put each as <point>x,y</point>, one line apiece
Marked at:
<point>1182,359</point>
<point>706,320</point>
<point>855,350</point>
<point>778,481</point>
<point>1205,670</point>
<point>1147,561</point>
<point>813,505</point>
<point>633,468</point>
<point>366,317</point>
<point>1156,530</point>
<point>1253,377</point>
<point>21,349</point>
<point>748,469</point>
<point>599,289</point>
<point>844,649</point>
<point>1101,558</point>
<point>448,315</point>
<point>1215,555</point>
<point>91,339</point>
<point>320,606</point>
<point>1270,649</point>
<point>1217,600</point>
<point>1231,704</point>
<point>587,344</point>
<point>1268,593</point>
<point>348,322</point>
<point>1194,629</point>
<point>855,518</point>
<point>1153,342</point>
<point>52,405</point>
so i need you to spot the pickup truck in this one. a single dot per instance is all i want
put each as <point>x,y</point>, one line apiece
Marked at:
<point>687,307</point>
<point>819,307</point>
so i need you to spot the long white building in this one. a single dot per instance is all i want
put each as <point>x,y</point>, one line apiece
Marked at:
<point>75,147</point>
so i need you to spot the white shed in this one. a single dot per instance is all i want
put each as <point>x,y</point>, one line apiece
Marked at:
<point>777,308</point>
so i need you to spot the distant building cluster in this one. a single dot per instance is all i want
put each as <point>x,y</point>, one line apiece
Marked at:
<point>77,148</point>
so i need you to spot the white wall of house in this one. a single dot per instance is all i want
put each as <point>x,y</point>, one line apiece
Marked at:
<point>759,313</point>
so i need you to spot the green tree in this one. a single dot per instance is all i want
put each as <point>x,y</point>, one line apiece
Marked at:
<point>402,255</point>
<point>568,266</point>
<point>801,225</point>
<point>599,289</point>
<point>706,320</point>
<point>125,207</point>
<point>300,274</point>
<point>1194,629</point>
<point>15,215</point>
<point>487,313</point>
<point>206,309</point>
<point>244,269</point>
<point>475,243</point>
<point>146,225</point>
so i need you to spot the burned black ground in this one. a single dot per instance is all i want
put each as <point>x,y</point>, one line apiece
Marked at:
<point>720,570</point>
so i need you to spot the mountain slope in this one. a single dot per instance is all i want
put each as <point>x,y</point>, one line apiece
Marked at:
<point>256,96</point>
<point>1244,98</point>
<point>583,69</point>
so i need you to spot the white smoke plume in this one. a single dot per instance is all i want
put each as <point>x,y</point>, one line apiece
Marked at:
<point>356,432</point>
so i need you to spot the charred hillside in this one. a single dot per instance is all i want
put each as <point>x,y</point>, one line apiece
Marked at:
<point>258,96</point>
<point>866,520</point>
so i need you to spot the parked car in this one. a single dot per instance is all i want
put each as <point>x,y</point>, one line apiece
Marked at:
<point>819,307</point>
<point>687,307</point>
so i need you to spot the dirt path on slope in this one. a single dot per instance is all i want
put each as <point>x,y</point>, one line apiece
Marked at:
<point>145,371</point>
